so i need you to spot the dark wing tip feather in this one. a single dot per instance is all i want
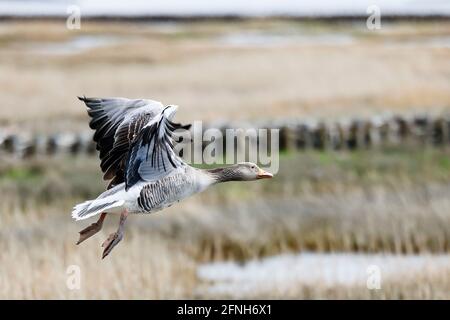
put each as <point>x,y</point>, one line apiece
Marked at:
<point>175,126</point>
<point>92,103</point>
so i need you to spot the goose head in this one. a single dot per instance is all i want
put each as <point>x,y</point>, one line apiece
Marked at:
<point>244,171</point>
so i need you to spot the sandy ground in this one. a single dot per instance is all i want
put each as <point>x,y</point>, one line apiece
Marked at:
<point>245,70</point>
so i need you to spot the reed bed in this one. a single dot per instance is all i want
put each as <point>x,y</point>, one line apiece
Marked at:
<point>391,201</point>
<point>199,66</point>
<point>386,200</point>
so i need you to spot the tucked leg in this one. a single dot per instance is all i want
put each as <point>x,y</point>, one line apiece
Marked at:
<point>92,229</point>
<point>115,238</point>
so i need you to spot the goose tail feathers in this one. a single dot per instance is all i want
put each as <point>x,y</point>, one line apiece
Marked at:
<point>91,208</point>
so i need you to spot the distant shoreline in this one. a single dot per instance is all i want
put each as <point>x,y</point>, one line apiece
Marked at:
<point>205,18</point>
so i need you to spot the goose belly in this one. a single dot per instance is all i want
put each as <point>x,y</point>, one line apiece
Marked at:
<point>163,193</point>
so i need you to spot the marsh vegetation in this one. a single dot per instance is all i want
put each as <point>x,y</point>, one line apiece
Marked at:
<point>391,203</point>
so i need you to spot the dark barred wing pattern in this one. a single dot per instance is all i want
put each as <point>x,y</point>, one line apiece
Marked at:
<point>163,192</point>
<point>152,156</point>
<point>113,164</point>
<point>117,122</point>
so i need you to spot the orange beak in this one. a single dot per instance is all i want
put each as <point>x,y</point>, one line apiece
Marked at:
<point>264,174</point>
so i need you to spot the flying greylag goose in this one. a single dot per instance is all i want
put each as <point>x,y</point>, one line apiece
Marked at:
<point>135,144</point>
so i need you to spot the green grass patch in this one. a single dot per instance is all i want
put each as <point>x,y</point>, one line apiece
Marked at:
<point>22,173</point>
<point>299,172</point>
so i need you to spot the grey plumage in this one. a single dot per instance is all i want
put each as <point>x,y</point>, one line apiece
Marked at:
<point>164,191</point>
<point>134,138</point>
<point>151,156</point>
<point>141,160</point>
<point>117,122</point>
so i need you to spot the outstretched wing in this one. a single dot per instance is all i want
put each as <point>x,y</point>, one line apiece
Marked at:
<point>151,156</point>
<point>117,122</point>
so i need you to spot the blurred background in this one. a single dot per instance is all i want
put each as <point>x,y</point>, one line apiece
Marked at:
<point>360,207</point>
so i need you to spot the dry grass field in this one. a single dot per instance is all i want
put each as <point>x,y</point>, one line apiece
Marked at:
<point>362,202</point>
<point>243,70</point>
<point>388,201</point>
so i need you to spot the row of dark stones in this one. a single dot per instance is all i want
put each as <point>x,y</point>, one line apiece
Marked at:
<point>292,135</point>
